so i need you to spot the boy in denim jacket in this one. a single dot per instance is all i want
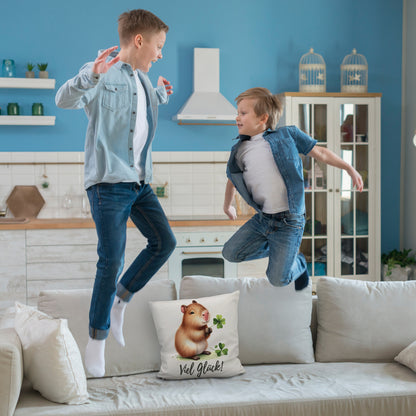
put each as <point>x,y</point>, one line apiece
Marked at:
<point>121,105</point>
<point>266,169</point>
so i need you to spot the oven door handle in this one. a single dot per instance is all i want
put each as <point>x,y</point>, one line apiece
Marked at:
<point>200,252</point>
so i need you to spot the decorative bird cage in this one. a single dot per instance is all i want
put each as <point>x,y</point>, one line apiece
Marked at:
<point>312,72</point>
<point>354,73</point>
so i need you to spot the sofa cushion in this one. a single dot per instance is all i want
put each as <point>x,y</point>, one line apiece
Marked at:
<point>318,389</point>
<point>364,321</point>
<point>51,358</point>
<point>273,322</point>
<point>407,357</point>
<point>142,352</point>
<point>198,337</point>
<point>11,370</point>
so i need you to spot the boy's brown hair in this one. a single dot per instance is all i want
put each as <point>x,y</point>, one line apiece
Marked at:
<point>266,103</point>
<point>138,21</point>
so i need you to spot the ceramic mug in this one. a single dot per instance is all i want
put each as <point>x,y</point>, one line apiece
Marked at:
<point>37,109</point>
<point>13,109</point>
<point>9,69</point>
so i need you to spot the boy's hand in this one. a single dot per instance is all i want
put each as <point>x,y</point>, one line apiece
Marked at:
<point>166,83</point>
<point>357,180</point>
<point>231,212</point>
<point>100,65</point>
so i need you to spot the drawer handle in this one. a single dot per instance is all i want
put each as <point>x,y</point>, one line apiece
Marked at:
<point>201,252</point>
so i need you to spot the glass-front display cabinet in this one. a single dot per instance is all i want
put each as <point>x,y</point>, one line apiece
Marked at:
<point>342,231</point>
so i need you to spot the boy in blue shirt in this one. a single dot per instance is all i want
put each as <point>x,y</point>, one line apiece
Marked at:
<point>266,169</point>
<point>121,105</point>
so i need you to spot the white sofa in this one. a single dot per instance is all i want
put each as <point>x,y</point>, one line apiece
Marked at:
<point>342,365</point>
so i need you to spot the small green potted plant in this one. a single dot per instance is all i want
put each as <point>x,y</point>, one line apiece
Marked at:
<point>43,73</point>
<point>397,265</point>
<point>30,73</point>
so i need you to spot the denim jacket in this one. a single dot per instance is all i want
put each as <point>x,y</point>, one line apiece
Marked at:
<point>110,102</point>
<point>286,143</point>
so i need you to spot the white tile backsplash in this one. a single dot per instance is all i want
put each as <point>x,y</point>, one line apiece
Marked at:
<point>196,180</point>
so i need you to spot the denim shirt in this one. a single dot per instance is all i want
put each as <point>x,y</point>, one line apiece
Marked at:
<point>286,143</point>
<point>110,102</point>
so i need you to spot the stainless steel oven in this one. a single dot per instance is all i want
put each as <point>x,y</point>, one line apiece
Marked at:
<point>199,253</point>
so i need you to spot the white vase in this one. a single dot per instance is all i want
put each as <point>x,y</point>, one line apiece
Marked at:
<point>397,273</point>
<point>43,74</point>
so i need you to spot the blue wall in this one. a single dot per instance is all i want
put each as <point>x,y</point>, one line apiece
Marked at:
<point>260,44</point>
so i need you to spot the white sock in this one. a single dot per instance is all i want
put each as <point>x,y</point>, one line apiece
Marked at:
<point>94,357</point>
<point>117,319</point>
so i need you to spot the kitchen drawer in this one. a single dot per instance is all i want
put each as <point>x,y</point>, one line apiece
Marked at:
<point>61,237</point>
<point>61,271</point>
<point>61,254</point>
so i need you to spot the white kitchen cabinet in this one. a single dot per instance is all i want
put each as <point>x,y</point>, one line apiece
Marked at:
<point>342,232</point>
<point>41,259</point>
<point>60,259</point>
<point>27,83</point>
<point>12,268</point>
<point>67,258</point>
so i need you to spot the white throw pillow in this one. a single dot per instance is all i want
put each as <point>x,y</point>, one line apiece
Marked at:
<point>198,337</point>
<point>407,357</point>
<point>51,358</point>
<point>364,321</point>
<point>273,322</point>
<point>141,353</point>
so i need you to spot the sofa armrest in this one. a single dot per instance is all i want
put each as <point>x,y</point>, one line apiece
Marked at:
<point>11,370</point>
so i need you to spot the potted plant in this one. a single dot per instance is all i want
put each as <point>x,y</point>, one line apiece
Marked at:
<point>397,265</point>
<point>30,73</point>
<point>43,73</point>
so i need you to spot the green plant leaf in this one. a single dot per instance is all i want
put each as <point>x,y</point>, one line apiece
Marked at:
<point>42,66</point>
<point>221,345</point>
<point>225,351</point>
<point>399,258</point>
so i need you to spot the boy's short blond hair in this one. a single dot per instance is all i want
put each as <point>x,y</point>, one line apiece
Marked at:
<point>266,103</point>
<point>138,21</point>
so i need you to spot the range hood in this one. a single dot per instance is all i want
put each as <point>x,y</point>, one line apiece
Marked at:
<point>206,104</point>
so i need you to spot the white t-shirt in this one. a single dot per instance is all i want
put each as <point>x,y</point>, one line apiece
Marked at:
<point>142,127</point>
<point>261,175</point>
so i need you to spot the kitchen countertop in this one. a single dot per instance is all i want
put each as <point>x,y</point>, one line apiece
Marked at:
<point>65,223</point>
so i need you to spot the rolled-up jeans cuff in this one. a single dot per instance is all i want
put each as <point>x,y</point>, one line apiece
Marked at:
<point>123,293</point>
<point>99,334</point>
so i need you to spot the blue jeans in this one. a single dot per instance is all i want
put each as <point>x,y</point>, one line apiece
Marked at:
<point>111,206</point>
<point>277,236</point>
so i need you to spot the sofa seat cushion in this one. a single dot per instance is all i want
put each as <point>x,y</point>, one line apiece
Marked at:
<point>318,389</point>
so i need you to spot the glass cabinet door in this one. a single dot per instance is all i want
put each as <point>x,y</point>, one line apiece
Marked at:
<point>354,205</point>
<point>313,120</point>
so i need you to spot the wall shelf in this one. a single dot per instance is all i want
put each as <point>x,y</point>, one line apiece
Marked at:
<point>27,120</point>
<point>32,83</point>
<point>27,83</point>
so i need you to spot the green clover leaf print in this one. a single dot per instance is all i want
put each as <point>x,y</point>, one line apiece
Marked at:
<point>221,350</point>
<point>219,321</point>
